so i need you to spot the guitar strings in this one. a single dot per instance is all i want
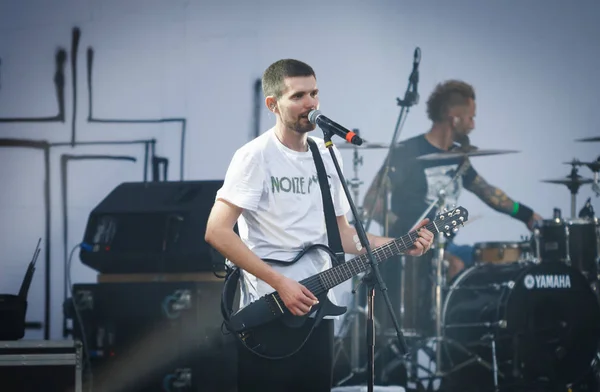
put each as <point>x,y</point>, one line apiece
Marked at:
<point>316,283</point>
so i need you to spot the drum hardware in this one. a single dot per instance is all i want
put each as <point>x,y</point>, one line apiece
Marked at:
<point>438,373</point>
<point>589,139</point>
<point>489,286</point>
<point>495,371</point>
<point>587,211</point>
<point>573,181</point>
<point>571,241</point>
<point>594,167</point>
<point>357,160</point>
<point>499,324</point>
<point>501,252</point>
<point>366,145</point>
<point>440,283</point>
<point>540,326</point>
<point>472,152</point>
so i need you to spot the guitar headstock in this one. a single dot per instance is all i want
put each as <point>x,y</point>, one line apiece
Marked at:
<point>448,222</point>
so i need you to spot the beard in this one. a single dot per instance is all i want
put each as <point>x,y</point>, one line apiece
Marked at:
<point>461,137</point>
<point>302,125</point>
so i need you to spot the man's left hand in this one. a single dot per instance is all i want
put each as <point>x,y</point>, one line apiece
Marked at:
<point>424,242</point>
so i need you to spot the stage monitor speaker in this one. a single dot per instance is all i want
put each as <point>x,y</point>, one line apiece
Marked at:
<point>152,227</point>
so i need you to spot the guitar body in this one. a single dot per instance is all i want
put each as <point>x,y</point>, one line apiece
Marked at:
<point>256,323</point>
<point>323,309</point>
<point>294,329</point>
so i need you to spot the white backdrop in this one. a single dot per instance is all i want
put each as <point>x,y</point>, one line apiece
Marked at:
<point>533,64</point>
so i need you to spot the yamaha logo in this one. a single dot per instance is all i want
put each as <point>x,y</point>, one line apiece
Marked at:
<point>547,281</point>
<point>529,282</point>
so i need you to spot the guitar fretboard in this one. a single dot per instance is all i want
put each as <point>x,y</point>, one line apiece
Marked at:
<point>332,277</point>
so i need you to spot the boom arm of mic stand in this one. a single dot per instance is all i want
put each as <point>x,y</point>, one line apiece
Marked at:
<point>360,231</point>
<point>410,99</point>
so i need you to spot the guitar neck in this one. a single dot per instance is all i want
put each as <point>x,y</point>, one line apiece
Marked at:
<point>332,277</point>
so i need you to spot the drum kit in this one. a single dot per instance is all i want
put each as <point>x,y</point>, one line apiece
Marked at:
<point>524,317</point>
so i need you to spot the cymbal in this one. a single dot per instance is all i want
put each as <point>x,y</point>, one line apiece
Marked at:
<point>593,166</point>
<point>589,139</point>
<point>463,154</point>
<point>366,145</point>
<point>570,181</point>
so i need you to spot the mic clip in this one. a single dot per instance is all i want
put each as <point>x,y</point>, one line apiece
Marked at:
<point>411,98</point>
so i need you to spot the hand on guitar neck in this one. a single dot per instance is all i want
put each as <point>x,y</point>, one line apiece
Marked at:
<point>297,298</point>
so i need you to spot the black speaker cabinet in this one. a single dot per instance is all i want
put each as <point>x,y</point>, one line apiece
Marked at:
<point>155,336</point>
<point>152,227</point>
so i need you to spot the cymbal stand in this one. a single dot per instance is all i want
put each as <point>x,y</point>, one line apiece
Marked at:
<point>574,188</point>
<point>438,262</point>
<point>440,281</point>
<point>354,183</point>
<point>595,168</point>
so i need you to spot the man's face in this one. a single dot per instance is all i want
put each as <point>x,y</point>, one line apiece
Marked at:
<point>465,122</point>
<point>299,97</point>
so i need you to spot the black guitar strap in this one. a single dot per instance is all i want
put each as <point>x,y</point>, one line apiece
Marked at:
<point>333,231</point>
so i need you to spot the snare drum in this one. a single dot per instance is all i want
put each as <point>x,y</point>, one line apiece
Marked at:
<point>571,241</point>
<point>500,252</point>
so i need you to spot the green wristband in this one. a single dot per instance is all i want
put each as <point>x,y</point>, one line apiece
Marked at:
<point>515,208</point>
<point>524,213</point>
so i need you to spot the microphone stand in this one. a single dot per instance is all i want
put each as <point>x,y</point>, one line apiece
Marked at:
<point>371,278</point>
<point>411,98</point>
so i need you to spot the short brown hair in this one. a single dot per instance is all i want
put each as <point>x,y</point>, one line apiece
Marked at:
<point>447,95</point>
<point>272,79</point>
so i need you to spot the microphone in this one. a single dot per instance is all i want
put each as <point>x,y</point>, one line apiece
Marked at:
<point>414,77</point>
<point>316,118</point>
<point>411,95</point>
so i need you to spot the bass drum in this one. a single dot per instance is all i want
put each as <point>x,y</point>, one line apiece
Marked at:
<point>542,321</point>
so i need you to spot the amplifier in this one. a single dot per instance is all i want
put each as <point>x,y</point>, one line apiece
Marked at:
<point>142,336</point>
<point>146,227</point>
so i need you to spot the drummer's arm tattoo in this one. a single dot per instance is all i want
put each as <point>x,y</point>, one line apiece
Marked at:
<point>492,196</point>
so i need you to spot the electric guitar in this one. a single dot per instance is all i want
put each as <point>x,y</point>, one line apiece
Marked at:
<point>269,315</point>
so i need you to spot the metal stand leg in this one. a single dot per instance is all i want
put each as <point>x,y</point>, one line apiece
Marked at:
<point>494,363</point>
<point>440,340</point>
<point>351,326</point>
<point>439,283</point>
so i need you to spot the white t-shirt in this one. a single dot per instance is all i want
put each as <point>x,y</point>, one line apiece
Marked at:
<point>278,190</point>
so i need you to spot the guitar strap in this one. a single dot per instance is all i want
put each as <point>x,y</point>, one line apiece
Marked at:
<point>333,231</point>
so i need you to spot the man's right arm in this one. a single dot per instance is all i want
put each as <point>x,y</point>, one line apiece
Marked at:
<point>220,235</point>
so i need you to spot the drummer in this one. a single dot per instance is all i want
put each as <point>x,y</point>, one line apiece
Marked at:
<point>414,184</point>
